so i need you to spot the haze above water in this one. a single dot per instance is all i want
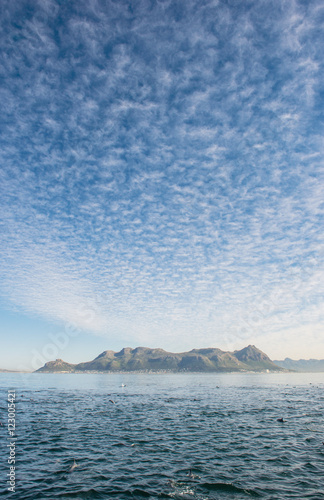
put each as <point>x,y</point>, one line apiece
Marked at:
<point>188,436</point>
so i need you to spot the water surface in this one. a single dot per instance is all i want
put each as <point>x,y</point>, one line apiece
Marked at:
<point>159,436</point>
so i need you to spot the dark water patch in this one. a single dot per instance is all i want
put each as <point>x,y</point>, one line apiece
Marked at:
<point>314,495</point>
<point>84,494</point>
<point>228,487</point>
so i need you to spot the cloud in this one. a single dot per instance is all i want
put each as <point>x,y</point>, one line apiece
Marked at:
<point>162,163</point>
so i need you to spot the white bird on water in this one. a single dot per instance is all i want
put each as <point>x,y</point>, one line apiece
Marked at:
<point>73,466</point>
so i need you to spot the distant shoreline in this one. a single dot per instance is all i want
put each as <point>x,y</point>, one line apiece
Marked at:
<point>15,371</point>
<point>145,372</point>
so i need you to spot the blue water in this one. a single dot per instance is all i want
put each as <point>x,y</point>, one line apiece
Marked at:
<point>165,436</point>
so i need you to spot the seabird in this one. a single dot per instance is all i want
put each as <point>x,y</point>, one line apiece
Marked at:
<point>73,466</point>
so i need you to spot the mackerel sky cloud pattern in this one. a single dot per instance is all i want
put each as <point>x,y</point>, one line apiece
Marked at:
<point>162,161</point>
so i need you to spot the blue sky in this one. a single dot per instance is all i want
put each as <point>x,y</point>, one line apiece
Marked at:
<point>161,177</point>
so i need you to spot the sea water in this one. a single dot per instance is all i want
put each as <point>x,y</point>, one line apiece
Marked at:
<point>164,436</point>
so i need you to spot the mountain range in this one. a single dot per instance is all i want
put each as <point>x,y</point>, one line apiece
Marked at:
<point>145,359</point>
<point>302,365</point>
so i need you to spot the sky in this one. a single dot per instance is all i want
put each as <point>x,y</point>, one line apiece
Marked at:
<point>161,173</point>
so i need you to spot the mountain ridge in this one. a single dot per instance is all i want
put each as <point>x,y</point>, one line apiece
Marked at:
<point>302,365</point>
<point>210,359</point>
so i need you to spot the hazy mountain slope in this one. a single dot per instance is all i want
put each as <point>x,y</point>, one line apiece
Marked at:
<point>302,365</point>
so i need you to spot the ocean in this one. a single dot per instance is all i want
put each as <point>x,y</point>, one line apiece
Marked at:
<point>163,436</point>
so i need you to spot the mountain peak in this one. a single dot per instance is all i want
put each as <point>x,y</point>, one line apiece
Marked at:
<point>126,351</point>
<point>251,353</point>
<point>105,354</point>
<point>57,366</point>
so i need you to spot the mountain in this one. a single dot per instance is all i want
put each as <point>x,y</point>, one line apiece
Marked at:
<point>57,366</point>
<point>145,359</point>
<point>255,358</point>
<point>302,365</point>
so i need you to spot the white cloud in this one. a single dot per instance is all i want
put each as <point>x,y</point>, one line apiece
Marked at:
<point>166,162</point>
